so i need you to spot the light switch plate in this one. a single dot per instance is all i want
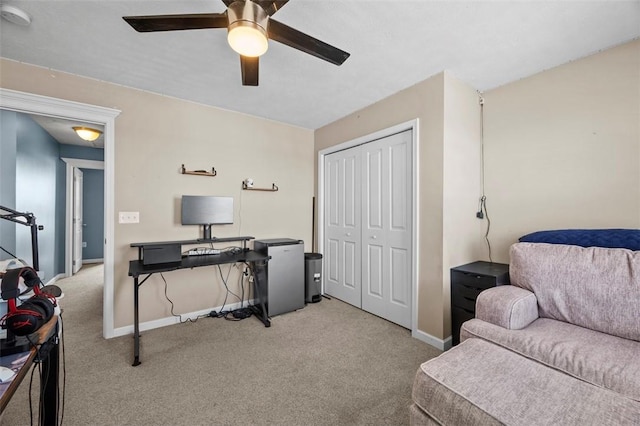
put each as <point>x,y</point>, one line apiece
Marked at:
<point>129,217</point>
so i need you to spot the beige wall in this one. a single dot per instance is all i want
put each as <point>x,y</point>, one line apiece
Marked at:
<point>463,232</point>
<point>563,148</point>
<point>441,104</point>
<point>156,134</point>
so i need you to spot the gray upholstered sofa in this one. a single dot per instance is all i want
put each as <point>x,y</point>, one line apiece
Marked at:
<point>560,346</point>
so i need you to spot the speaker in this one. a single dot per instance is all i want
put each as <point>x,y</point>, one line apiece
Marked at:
<point>161,253</point>
<point>34,312</point>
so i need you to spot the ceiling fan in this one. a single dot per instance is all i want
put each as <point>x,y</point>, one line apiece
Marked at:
<point>249,26</point>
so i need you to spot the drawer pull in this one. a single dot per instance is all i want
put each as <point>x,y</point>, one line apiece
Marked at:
<point>470,287</point>
<point>469,274</point>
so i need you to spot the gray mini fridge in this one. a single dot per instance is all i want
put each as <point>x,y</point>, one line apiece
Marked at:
<point>282,281</point>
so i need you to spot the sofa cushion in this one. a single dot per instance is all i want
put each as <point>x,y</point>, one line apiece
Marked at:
<point>596,288</point>
<point>600,359</point>
<point>493,384</point>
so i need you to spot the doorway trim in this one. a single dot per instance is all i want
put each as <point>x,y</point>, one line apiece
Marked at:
<point>71,164</point>
<point>30,103</point>
<point>408,125</point>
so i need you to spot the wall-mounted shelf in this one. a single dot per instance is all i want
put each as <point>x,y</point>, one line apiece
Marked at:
<point>198,172</point>
<point>273,188</point>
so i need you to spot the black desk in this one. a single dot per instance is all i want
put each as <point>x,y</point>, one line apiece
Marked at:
<point>49,356</point>
<point>137,268</point>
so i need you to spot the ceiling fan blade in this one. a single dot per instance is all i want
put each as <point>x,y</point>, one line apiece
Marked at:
<point>269,6</point>
<point>193,21</point>
<point>291,37</point>
<point>249,70</point>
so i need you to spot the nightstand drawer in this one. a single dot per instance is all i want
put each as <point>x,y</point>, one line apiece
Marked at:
<point>458,316</point>
<point>469,279</point>
<point>467,282</point>
<point>464,296</point>
<point>461,315</point>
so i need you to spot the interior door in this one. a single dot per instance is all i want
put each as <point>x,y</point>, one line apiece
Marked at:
<point>386,228</point>
<point>77,219</point>
<point>342,234</point>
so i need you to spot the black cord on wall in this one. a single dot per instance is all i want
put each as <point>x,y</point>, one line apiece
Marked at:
<point>482,208</point>
<point>172,305</point>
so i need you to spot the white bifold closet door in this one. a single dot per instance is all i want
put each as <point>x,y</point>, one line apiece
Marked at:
<point>368,227</point>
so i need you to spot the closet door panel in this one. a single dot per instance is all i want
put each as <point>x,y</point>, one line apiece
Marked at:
<point>342,228</point>
<point>351,265</point>
<point>400,292</point>
<point>373,190</point>
<point>386,226</point>
<point>373,275</point>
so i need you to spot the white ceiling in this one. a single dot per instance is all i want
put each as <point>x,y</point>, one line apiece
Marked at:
<point>62,131</point>
<point>393,45</point>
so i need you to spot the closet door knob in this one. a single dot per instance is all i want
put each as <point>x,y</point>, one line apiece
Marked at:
<point>374,237</point>
<point>348,234</point>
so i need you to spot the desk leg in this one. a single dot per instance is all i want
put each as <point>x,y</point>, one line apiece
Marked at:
<point>49,386</point>
<point>136,324</point>
<point>261,312</point>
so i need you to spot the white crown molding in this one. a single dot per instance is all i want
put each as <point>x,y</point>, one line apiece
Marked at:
<point>45,105</point>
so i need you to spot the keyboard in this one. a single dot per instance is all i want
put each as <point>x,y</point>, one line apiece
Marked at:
<point>202,252</point>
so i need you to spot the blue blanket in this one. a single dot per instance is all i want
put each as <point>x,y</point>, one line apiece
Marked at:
<point>610,238</point>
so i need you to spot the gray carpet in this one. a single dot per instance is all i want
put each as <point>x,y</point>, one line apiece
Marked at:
<point>328,363</point>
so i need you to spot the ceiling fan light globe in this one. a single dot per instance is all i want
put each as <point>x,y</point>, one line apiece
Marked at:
<point>248,39</point>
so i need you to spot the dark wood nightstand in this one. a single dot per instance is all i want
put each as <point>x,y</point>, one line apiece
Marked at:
<point>467,281</point>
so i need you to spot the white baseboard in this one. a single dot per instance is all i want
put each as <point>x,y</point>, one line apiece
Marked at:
<point>443,345</point>
<point>448,343</point>
<point>87,261</point>
<point>163,322</point>
<point>56,278</point>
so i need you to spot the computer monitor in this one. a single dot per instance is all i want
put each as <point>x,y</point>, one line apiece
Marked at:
<point>207,210</point>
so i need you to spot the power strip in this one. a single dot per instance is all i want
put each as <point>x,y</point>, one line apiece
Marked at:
<point>202,251</point>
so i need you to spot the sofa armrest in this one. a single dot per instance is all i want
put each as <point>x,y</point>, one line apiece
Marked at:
<point>507,306</point>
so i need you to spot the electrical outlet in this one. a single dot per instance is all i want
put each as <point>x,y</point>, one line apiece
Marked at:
<point>84,244</point>
<point>129,217</point>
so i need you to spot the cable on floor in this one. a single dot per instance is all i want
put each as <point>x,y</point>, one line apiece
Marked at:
<point>236,314</point>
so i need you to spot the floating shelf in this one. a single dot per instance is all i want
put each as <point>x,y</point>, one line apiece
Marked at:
<point>212,173</point>
<point>273,188</point>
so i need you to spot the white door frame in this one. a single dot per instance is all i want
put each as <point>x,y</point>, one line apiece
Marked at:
<point>71,164</point>
<point>43,105</point>
<point>78,219</point>
<point>409,125</point>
